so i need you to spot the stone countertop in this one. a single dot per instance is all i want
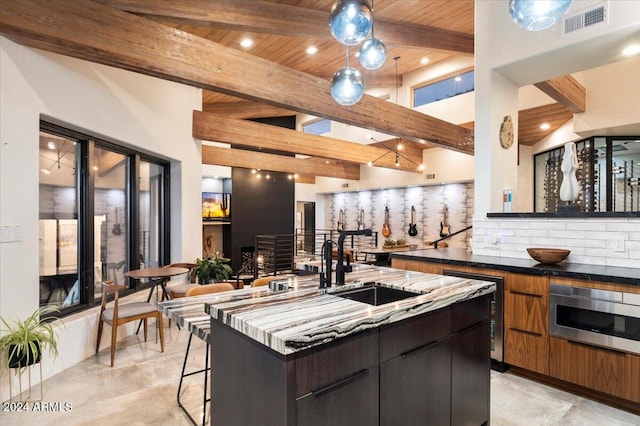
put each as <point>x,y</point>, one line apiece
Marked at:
<point>305,316</point>
<point>586,272</point>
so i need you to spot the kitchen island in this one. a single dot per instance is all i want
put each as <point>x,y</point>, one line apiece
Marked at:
<point>306,356</point>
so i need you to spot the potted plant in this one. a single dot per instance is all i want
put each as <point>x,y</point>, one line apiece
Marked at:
<point>212,270</point>
<point>23,342</point>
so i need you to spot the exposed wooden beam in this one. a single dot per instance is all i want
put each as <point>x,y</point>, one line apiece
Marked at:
<point>529,121</point>
<point>566,90</point>
<point>306,179</point>
<point>277,163</point>
<point>281,19</point>
<point>88,30</point>
<point>245,109</point>
<point>214,128</point>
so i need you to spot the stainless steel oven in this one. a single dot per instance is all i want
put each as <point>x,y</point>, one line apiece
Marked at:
<point>496,314</point>
<point>604,318</point>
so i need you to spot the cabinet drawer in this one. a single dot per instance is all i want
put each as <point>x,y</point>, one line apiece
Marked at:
<point>347,402</point>
<point>412,333</point>
<point>590,366</point>
<point>528,284</point>
<point>527,350</point>
<point>527,312</point>
<point>320,367</point>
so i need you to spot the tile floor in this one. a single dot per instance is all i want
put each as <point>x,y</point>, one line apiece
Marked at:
<point>141,390</point>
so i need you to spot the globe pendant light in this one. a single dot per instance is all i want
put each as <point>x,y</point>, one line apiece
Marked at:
<point>347,85</point>
<point>373,53</point>
<point>350,21</point>
<point>536,15</point>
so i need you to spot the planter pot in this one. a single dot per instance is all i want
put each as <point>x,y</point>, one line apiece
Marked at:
<point>19,359</point>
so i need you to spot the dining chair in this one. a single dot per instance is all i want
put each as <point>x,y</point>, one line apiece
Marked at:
<point>179,290</point>
<point>199,290</point>
<point>120,314</point>
<point>262,281</point>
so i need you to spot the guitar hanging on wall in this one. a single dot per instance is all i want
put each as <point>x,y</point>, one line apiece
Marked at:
<point>445,229</point>
<point>341,221</point>
<point>413,230</point>
<point>361,219</point>
<point>386,229</point>
<point>116,226</point>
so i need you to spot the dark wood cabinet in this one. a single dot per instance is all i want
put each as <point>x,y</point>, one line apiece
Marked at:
<point>352,400</point>
<point>470,376</point>
<point>415,388</point>
<point>422,370</point>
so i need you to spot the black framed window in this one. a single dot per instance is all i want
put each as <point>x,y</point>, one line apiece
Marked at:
<point>103,211</point>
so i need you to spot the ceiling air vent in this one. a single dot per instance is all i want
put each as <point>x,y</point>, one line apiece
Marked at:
<point>430,176</point>
<point>586,18</point>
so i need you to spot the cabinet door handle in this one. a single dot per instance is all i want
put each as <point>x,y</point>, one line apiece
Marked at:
<point>522,293</point>
<point>525,331</point>
<point>355,376</point>
<point>596,347</point>
<point>419,348</point>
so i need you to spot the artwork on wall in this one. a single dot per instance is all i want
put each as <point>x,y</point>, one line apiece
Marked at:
<point>67,244</point>
<point>216,205</point>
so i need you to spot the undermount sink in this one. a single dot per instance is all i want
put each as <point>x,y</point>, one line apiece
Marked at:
<point>375,294</point>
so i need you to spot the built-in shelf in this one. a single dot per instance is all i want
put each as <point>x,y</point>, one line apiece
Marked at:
<point>216,223</point>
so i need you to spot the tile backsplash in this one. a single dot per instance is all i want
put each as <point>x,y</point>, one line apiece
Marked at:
<point>606,241</point>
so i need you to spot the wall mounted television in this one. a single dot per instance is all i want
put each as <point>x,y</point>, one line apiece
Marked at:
<point>216,206</point>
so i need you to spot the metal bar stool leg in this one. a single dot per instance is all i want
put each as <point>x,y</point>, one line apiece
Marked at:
<point>204,394</point>
<point>206,376</point>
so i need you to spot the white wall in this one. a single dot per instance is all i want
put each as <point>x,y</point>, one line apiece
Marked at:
<point>613,100</point>
<point>141,112</point>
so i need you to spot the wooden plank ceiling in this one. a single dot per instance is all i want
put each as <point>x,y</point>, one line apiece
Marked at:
<point>281,31</point>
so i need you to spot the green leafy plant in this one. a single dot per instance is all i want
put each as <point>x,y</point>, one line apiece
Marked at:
<point>208,270</point>
<point>23,342</point>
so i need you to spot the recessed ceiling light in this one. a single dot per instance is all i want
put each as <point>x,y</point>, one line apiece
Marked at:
<point>51,145</point>
<point>424,61</point>
<point>312,50</point>
<point>631,50</point>
<point>545,126</point>
<point>45,171</point>
<point>95,167</point>
<point>246,42</point>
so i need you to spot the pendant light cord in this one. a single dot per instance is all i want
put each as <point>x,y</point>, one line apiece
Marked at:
<point>396,82</point>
